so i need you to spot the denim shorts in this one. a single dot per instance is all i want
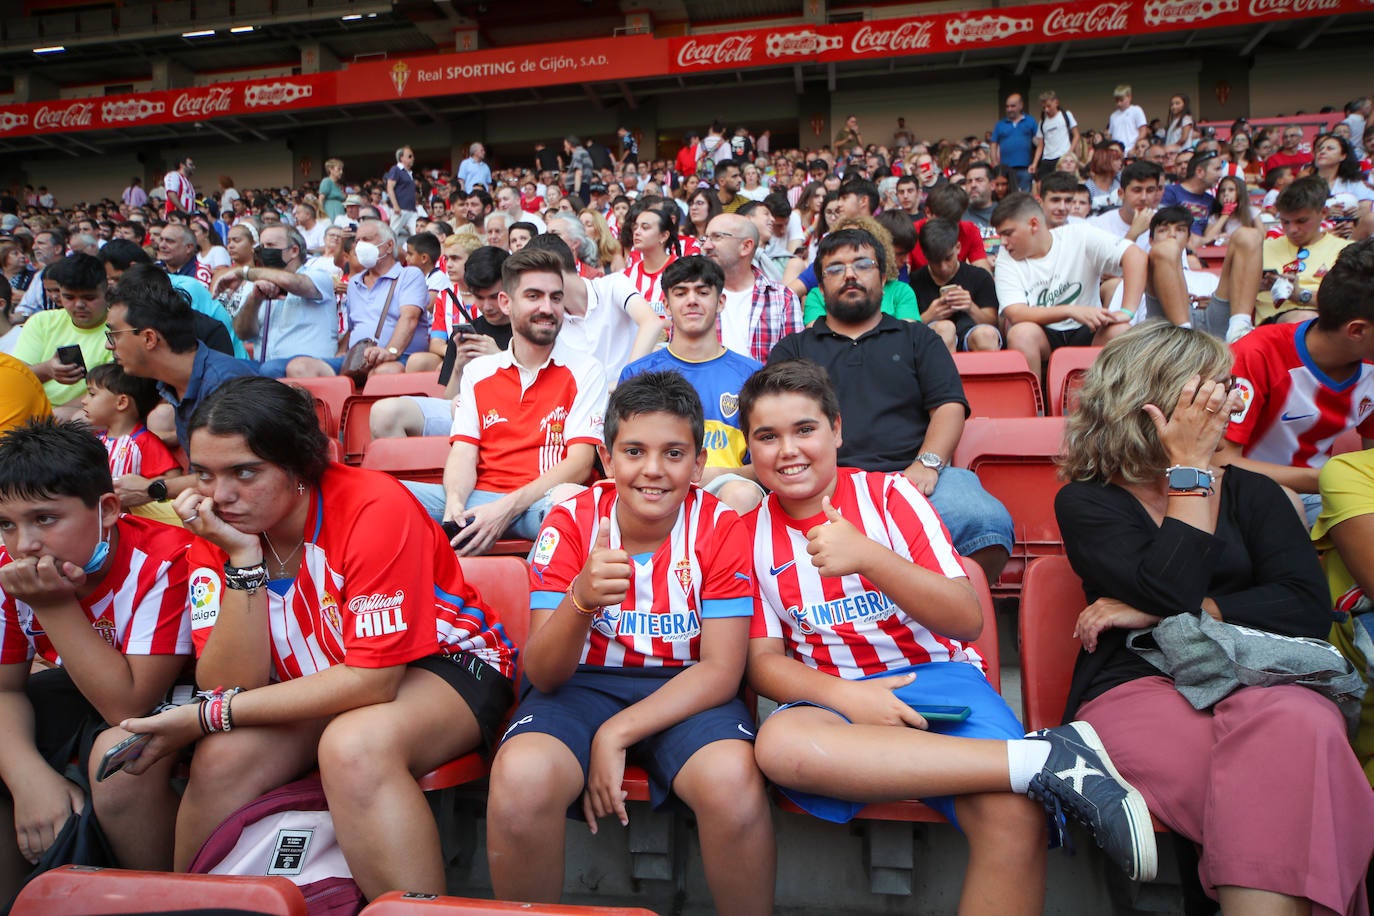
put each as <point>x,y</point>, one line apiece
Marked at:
<point>974,517</point>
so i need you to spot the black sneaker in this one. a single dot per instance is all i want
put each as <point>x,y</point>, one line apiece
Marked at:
<point>1079,778</point>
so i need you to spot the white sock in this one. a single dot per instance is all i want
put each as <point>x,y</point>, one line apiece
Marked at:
<point>1025,758</point>
<point>1238,327</point>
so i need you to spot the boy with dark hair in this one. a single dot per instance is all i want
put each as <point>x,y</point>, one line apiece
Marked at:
<point>1303,385</point>
<point>862,612</point>
<point>103,599</point>
<point>80,321</point>
<point>117,407</point>
<point>948,202</point>
<point>641,598</point>
<point>1057,191</point>
<point>693,295</point>
<point>958,301</point>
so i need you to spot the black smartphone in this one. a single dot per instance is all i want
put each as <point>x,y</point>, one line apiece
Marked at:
<point>117,757</point>
<point>451,528</point>
<point>943,713</point>
<point>464,329</point>
<point>71,355</point>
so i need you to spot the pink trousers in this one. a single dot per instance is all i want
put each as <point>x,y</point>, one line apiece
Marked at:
<point>1265,782</point>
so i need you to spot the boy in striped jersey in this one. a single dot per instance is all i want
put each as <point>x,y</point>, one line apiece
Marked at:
<point>117,406</point>
<point>102,599</point>
<point>641,597</point>
<point>863,612</point>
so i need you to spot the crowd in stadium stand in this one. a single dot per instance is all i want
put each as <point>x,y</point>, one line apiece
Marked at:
<point>715,400</point>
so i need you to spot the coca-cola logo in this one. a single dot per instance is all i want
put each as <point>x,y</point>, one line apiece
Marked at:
<point>276,94</point>
<point>130,110</point>
<point>1281,7</point>
<point>804,43</point>
<point>9,120</point>
<point>1105,17</point>
<point>77,114</point>
<point>985,29</point>
<point>909,36</point>
<point>1160,12</point>
<point>200,105</point>
<point>737,49</point>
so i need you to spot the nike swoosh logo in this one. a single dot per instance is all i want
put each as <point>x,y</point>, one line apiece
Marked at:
<point>1302,416</point>
<point>746,731</point>
<point>779,570</point>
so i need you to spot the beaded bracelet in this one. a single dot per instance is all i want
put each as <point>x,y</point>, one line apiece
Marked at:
<point>584,611</point>
<point>245,578</point>
<point>214,710</point>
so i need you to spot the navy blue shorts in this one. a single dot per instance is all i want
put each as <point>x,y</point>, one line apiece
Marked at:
<point>936,684</point>
<point>575,711</point>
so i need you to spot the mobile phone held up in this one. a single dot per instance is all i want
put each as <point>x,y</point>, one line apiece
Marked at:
<point>122,754</point>
<point>71,355</point>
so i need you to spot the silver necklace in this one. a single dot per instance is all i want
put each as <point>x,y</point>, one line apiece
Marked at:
<point>281,563</point>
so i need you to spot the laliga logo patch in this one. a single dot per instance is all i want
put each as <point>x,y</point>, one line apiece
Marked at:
<point>729,404</point>
<point>545,546</point>
<point>204,590</point>
<point>1247,397</point>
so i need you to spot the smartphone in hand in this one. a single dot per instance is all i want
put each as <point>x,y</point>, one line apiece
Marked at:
<point>119,756</point>
<point>71,355</point>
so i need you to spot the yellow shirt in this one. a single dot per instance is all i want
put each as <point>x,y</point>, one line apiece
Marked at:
<point>21,394</point>
<point>1282,255</point>
<point>48,330</point>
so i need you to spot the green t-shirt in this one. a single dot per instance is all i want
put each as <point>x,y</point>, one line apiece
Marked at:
<point>44,333</point>
<point>898,301</point>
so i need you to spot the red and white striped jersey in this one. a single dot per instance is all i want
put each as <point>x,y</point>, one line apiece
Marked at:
<point>701,572</point>
<point>138,452</point>
<point>378,586</point>
<point>521,422</point>
<point>1292,412</point>
<point>846,626</point>
<point>650,285</point>
<point>181,194</point>
<point>139,607</point>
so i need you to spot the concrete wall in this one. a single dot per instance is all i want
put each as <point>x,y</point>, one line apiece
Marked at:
<point>1284,83</point>
<point>937,107</point>
<point>1088,93</point>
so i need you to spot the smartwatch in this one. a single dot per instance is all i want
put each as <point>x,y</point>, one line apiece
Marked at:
<point>157,490</point>
<point>931,460</point>
<point>1189,480</point>
<point>393,351</point>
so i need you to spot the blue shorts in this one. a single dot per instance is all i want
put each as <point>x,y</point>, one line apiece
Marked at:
<point>526,525</point>
<point>575,711</point>
<point>936,684</point>
<point>975,518</point>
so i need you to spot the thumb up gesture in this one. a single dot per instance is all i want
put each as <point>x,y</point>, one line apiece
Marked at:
<point>605,577</point>
<point>837,548</point>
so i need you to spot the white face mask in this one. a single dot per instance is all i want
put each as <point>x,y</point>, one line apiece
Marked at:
<point>368,254</point>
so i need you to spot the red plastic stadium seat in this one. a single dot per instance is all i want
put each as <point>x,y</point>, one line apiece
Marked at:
<point>396,903</point>
<point>96,891</point>
<point>987,646</point>
<point>1015,461</point>
<point>999,384</point>
<point>1068,366</point>
<point>330,394</point>
<point>419,458</point>
<point>510,547</point>
<point>425,383</point>
<point>1051,600</point>
<point>503,583</point>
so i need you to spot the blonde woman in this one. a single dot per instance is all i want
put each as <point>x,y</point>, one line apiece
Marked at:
<point>1265,777</point>
<point>608,249</point>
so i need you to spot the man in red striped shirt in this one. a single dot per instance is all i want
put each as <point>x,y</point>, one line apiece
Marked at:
<point>102,599</point>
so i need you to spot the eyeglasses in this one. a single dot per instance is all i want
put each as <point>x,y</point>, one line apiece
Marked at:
<point>110,334</point>
<point>861,266</point>
<point>717,236</point>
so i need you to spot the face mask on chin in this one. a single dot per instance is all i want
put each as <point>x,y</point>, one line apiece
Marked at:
<point>102,549</point>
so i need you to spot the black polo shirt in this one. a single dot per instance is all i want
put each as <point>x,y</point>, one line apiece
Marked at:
<point>888,382</point>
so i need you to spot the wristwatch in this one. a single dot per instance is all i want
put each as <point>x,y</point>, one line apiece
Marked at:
<point>157,490</point>
<point>931,460</point>
<point>1184,479</point>
<point>393,351</point>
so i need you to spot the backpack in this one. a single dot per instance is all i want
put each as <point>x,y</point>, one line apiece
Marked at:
<point>286,832</point>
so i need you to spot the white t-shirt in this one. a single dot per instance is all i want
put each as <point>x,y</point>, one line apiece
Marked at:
<point>1070,274</point>
<point>1110,222</point>
<point>1124,126</point>
<point>314,236</point>
<point>734,320</point>
<point>1056,133</point>
<point>216,257</point>
<point>606,332</point>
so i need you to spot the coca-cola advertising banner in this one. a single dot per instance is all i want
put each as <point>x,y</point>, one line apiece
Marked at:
<point>520,67</point>
<point>945,32</point>
<point>636,56</point>
<point>245,97</point>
